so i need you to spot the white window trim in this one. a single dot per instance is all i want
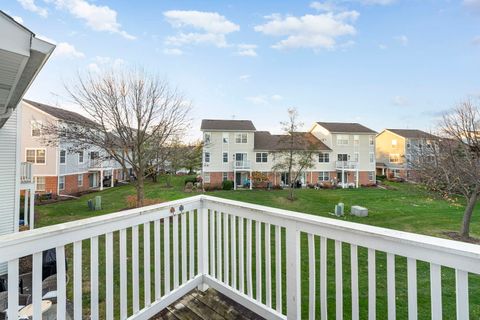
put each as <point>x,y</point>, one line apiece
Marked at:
<point>324,154</point>
<point>393,154</point>
<point>205,157</point>
<point>83,157</point>
<point>372,173</point>
<point>78,180</point>
<point>223,158</point>
<point>209,137</point>
<point>241,139</point>
<point>225,136</point>
<point>59,188</point>
<point>206,178</point>
<point>60,157</point>
<point>44,183</point>
<point>31,127</point>
<point>261,157</point>
<point>372,157</point>
<point>35,149</point>
<point>343,136</point>
<point>321,174</point>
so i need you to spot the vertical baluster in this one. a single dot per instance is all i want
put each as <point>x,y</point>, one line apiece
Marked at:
<point>123,274</point>
<point>191,244</point>
<point>354,281</point>
<point>175,252</point>
<point>278,268</point>
<point>213,272</point>
<point>12,312</point>
<point>436,290</point>
<point>157,253</point>
<point>166,253</point>
<point>293,271</point>
<point>412,288</point>
<point>146,264</point>
<point>461,279</point>
<point>219,246</point>
<point>61,283</point>
<point>94,278</point>
<point>338,280</point>
<point>37,285</point>
<point>226,258</point>
<point>184,247</point>
<point>323,278</point>
<point>391,286</point>
<point>202,243</point>
<point>135,270</point>
<point>311,277</point>
<point>268,267</point>
<point>372,286</point>
<point>258,259</point>
<point>241,263</point>
<point>233,224</point>
<point>108,276</point>
<point>249,259</point>
<point>77,280</point>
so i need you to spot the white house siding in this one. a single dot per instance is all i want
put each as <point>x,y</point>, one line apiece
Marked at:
<point>9,188</point>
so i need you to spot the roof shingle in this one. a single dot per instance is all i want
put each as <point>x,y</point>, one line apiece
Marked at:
<point>264,140</point>
<point>413,133</point>
<point>339,127</point>
<point>230,125</point>
<point>59,113</point>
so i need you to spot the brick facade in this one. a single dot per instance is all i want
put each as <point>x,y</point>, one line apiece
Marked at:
<point>71,184</point>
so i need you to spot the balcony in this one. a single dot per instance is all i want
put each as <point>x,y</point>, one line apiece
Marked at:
<point>242,165</point>
<point>26,172</point>
<point>346,165</point>
<point>101,163</point>
<point>271,261</point>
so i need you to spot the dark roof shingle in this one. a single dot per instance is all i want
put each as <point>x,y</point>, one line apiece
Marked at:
<point>338,127</point>
<point>413,133</point>
<point>238,125</point>
<point>264,140</point>
<point>59,113</point>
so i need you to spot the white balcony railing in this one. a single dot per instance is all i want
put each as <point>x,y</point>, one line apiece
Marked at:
<point>242,164</point>
<point>206,241</point>
<point>347,165</point>
<point>26,172</point>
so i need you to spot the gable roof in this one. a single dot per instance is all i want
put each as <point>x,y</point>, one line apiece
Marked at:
<point>264,140</point>
<point>228,125</point>
<point>340,127</point>
<point>413,133</point>
<point>61,114</point>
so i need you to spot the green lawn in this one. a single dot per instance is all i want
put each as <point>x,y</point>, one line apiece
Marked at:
<point>405,207</point>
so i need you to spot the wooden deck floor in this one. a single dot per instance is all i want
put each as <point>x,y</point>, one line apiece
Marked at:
<point>211,305</point>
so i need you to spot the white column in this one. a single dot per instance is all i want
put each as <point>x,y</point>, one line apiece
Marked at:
<point>111,181</point>
<point>356,179</point>
<point>251,180</point>
<point>234,180</point>
<point>343,178</point>
<point>31,208</point>
<point>101,179</point>
<point>25,207</point>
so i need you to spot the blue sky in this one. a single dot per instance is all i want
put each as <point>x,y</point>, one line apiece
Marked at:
<point>383,63</point>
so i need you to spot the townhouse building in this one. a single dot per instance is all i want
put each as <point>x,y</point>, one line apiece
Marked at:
<point>57,168</point>
<point>234,149</point>
<point>397,148</point>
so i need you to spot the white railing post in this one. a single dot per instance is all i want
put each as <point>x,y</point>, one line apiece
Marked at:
<point>293,271</point>
<point>202,243</point>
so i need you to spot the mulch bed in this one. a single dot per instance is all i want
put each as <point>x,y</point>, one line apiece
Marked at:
<point>456,236</point>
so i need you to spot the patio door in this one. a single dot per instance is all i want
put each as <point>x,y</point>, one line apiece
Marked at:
<point>238,178</point>
<point>339,177</point>
<point>240,157</point>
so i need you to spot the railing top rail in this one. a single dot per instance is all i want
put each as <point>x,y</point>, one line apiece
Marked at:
<point>344,230</point>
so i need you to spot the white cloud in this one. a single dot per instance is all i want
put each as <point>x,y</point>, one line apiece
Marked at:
<point>324,6</point>
<point>276,97</point>
<point>263,99</point>
<point>98,18</point>
<point>94,68</point>
<point>310,31</point>
<point>31,6</point>
<point>67,50</point>
<point>402,39</point>
<point>378,2</point>
<point>382,46</point>
<point>476,41</point>
<point>172,51</point>
<point>18,19</point>
<point>209,27</point>
<point>244,77</point>
<point>472,4</point>
<point>247,50</point>
<point>400,101</point>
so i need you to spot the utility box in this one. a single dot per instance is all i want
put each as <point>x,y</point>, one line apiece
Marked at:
<point>339,209</point>
<point>98,203</point>
<point>359,211</point>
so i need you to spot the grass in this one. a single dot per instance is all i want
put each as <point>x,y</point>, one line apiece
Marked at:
<point>404,207</point>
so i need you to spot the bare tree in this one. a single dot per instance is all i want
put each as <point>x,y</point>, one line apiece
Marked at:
<point>451,165</point>
<point>134,113</point>
<point>296,150</point>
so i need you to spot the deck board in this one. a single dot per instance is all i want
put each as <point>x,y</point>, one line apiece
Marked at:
<point>211,305</point>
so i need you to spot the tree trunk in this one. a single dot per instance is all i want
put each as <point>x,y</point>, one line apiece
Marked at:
<point>467,215</point>
<point>140,190</point>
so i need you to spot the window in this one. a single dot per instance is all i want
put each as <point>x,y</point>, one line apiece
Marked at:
<point>372,157</point>
<point>408,144</point>
<point>80,157</point>
<point>394,158</point>
<point>225,176</point>
<point>356,139</point>
<point>36,127</point>
<point>207,137</point>
<point>225,157</point>
<point>342,157</point>
<point>207,157</point>
<point>323,176</point>
<point>394,143</point>
<point>225,137</point>
<point>342,140</point>
<point>241,137</point>
<point>206,178</point>
<point>356,156</point>
<point>371,175</point>
<point>371,140</point>
<point>261,157</point>
<point>323,157</point>
<point>36,156</point>
<point>61,183</point>
<point>39,183</point>
<point>396,173</point>
<point>409,157</point>
<point>63,156</point>
<point>80,180</point>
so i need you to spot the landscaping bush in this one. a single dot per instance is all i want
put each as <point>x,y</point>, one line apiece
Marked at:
<point>227,185</point>
<point>381,177</point>
<point>212,187</point>
<point>190,179</point>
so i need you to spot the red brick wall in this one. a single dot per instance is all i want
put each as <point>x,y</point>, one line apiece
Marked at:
<point>51,184</point>
<point>71,184</point>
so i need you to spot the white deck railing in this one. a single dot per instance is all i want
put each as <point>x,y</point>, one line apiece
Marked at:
<point>346,165</point>
<point>26,172</point>
<point>248,252</point>
<point>242,164</point>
